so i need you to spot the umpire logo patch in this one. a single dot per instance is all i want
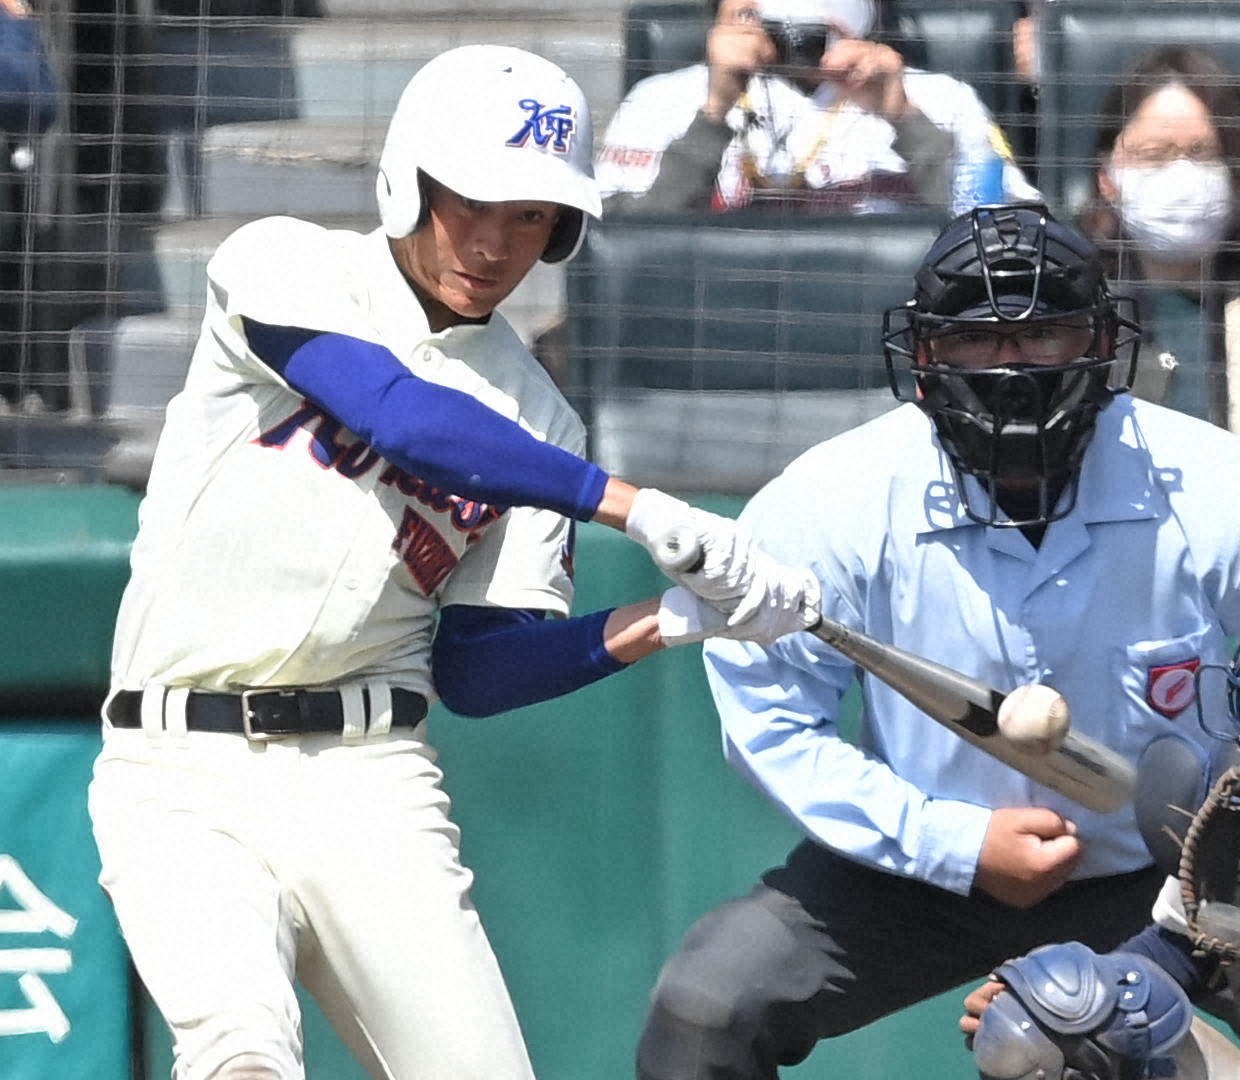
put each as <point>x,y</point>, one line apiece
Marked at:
<point>1171,688</point>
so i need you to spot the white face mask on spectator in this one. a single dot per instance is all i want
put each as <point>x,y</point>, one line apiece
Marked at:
<point>1182,208</point>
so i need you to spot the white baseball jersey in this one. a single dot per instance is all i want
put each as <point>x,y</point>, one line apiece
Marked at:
<point>788,137</point>
<point>275,547</point>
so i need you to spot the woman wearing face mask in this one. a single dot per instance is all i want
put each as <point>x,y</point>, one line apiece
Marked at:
<point>1166,211</point>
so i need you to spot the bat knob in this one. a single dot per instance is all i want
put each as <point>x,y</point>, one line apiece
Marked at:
<point>678,551</point>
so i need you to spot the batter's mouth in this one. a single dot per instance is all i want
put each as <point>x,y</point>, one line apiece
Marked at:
<point>476,282</point>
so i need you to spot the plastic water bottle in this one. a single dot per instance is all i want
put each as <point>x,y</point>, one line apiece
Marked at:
<point>977,179</point>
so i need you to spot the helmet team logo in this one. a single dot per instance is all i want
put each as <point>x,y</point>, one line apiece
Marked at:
<point>555,126</point>
<point>1172,688</point>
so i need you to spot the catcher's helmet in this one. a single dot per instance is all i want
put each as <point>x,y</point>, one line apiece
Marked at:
<point>496,124</point>
<point>1019,428</point>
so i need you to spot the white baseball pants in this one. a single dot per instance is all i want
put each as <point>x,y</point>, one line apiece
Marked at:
<point>234,866</point>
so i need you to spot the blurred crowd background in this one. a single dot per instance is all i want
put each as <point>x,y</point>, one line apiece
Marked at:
<point>727,313</point>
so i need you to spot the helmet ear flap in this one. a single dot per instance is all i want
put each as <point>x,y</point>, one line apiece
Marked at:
<point>424,201</point>
<point>402,211</point>
<point>567,236</point>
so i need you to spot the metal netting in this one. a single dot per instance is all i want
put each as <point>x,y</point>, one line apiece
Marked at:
<point>705,339</point>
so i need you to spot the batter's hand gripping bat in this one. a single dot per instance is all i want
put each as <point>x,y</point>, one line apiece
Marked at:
<point>1080,768</point>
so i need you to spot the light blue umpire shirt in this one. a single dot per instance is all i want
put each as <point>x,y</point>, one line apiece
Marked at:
<point>1125,595</point>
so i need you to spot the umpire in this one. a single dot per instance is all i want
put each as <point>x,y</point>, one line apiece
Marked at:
<point>1021,518</point>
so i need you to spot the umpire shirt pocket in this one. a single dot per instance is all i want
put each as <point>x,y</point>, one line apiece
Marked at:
<point>1160,685</point>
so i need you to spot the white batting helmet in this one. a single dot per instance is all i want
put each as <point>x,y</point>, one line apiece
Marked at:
<point>496,124</point>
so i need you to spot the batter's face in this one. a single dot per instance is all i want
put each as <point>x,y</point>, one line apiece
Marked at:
<point>470,255</point>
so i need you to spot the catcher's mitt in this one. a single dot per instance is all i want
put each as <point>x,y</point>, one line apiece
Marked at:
<point>1210,870</point>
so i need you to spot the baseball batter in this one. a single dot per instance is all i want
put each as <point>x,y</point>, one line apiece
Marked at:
<point>1025,520</point>
<point>363,499</point>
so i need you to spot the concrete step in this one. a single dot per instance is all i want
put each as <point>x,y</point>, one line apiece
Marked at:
<point>129,369</point>
<point>182,249</point>
<point>719,440</point>
<point>227,73</point>
<point>357,68</point>
<point>55,448</point>
<point>302,167</point>
<point>363,9</point>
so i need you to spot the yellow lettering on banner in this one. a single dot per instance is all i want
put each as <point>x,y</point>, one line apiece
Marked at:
<point>35,914</point>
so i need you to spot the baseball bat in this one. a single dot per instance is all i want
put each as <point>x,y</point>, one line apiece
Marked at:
<point>1081,768</point>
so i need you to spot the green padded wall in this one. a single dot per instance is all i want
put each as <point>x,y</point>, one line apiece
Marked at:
<point>64,973</point>
<point>64,560</point>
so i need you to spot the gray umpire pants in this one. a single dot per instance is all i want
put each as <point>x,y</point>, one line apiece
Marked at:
<point>824,946</point>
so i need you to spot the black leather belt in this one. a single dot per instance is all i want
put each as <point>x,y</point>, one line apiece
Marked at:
<point>262,715</point>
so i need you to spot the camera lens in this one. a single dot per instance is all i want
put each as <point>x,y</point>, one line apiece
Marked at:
<point>798,45</point>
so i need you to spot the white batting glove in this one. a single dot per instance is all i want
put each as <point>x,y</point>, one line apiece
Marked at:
<point>780,600</point>
<point>726,575</point>
<point>653,515</point>
<point>685,618</point>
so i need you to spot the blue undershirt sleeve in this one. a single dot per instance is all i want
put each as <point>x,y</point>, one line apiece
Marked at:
<point>1174,954</point>
<point>488,660</point>
<point>434,432</point>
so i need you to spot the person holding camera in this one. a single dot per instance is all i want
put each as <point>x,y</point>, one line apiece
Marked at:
<point>796,108</point>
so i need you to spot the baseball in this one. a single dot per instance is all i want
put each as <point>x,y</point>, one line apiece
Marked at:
<point>1034,717</point>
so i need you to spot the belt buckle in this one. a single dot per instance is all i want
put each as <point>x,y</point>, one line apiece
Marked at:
<point>247,715</point>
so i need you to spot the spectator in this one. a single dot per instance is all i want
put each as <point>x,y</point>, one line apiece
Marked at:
<point>1168,149</point>
<point>1026,55</point>
<point>29,91</point>
<point>795,107</point>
